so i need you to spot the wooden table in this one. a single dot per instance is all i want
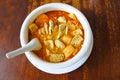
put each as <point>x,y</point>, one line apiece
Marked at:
<point>104,61</point>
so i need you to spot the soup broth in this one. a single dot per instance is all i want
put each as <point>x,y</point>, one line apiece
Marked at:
<point>60,34</point>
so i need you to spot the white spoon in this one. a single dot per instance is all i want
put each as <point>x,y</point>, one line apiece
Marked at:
<point>34,44</point>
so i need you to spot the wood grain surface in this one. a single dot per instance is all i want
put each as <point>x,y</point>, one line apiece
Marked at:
<point>104,61</point>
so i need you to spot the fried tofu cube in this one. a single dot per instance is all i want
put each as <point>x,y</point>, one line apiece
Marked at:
<point>49,43</point>
<point>66,39</point>
<point>71,26</point>
<point>33,27</point>
<point>76,41</point>
<point>78,32</point>
<point>75,52</point>
<point>68,51</point>
<point>55,58</point>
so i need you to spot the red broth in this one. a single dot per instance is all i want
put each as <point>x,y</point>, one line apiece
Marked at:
<point>60,34</point>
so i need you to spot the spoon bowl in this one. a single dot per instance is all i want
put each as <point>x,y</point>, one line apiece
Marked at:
<point>34,44</point>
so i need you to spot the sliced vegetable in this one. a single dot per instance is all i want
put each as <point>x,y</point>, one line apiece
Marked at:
<point>51,25</point>
<point>46,28</point>
<point>57,35</point>
<point>60,33</point>
<point>66,30</point>
<point>42,30</point>
<point>61,19</point>
<point>62,27</point>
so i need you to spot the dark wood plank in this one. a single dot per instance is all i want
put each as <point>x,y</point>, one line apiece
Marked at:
<point>104,61</point>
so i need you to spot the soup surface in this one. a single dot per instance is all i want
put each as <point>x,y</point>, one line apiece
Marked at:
<point>60,34</point>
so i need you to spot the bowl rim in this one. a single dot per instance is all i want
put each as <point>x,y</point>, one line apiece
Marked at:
<point>50,7</point>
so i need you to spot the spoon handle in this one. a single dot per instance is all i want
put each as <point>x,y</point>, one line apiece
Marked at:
<point>32,45</point>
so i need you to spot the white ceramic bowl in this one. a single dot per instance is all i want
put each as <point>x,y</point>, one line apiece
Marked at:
<point>69,65</point>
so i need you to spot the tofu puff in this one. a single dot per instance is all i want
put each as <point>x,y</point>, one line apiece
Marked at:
<point>60,34</point>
